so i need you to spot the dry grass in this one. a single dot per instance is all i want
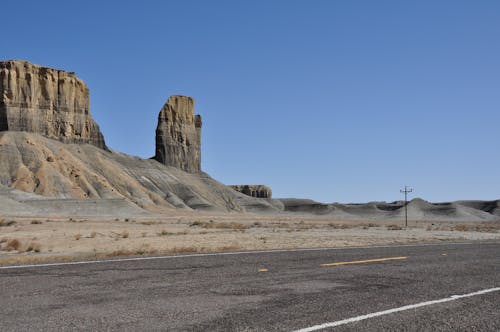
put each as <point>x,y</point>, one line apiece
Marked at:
<point>33,246</point>
<point>480,227</point>
<point>116,253</point>
<point>394,227</point>
<point>185,250</point>
<point>229,248</point>
<point>341,226</point>
<point>219,225</point>
<point>4,223</point>
<point>17,245</point>
<point>149,223</point>
<point>102,238</point>
<point>13,244</point>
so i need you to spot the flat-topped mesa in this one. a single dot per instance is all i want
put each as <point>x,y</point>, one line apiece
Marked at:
<point>178,135</point>
<point>50,102</point>
<point>259,190</point>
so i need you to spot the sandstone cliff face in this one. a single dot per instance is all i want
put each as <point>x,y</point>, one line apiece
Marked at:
<point>258,191</point>
<point>178,135</point>
<point>47,101</point>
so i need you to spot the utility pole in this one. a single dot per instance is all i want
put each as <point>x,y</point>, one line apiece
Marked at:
<point>406,191</point>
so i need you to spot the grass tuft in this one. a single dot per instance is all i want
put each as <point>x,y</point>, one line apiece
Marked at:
<point>219,225</point>
<point>4,223</point>
<point>394,227</point>
<point>13,244</point>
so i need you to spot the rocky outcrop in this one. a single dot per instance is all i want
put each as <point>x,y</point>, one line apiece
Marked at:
<point>259,191</point>
<point>35,166</point>
<point>178,135</point>
<point>46,101</point>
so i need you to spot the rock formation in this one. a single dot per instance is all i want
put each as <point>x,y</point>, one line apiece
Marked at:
<point>259,191</point>
<point>178,135</point>
<point>47,101</point>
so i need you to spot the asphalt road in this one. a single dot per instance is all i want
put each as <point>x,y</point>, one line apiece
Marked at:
<point>228,293</point>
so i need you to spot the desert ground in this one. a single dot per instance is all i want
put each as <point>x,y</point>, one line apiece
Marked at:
<point>36,239</point>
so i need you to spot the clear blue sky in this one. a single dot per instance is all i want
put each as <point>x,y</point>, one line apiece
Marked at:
<point>342,101</point>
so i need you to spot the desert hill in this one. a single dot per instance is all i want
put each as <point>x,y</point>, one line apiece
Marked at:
<point>54,161</point>
<point>40,175</point>
<point>35,164</point>
<point>418,209</point>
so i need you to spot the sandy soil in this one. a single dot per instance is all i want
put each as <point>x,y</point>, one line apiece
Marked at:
<point>39,239</point>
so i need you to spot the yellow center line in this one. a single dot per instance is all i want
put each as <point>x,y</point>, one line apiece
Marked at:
<point>366,261</point>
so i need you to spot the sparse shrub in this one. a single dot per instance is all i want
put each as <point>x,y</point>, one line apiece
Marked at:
<point>92,235</point>
<point>462,228</point>
<point>366,226</point>
<point>36,222</point>
<point>257,224</point>
<point>13,244</point>
<point>394,227</point>
<point>220,225</point>
<point>228,248</point>
<point>164,233</point>
<point>121,252</point>
<point>479,227</point>
<point>179,250</point>
<point>33,246</point>
<point>4,223</point>
<point>149,223</point>
<point>77,236</point>
<point>124,234</point>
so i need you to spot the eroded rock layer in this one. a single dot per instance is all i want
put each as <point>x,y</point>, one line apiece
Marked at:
<point>178,135</point>
<point>258,191</point>
<point>50,102</point>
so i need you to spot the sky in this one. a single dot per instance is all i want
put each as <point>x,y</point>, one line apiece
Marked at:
<point>337,101</point>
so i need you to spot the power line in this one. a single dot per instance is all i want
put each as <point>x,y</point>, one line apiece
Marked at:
<point>406,191</point>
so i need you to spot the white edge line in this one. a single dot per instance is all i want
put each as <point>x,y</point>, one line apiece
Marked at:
<point>101,261</point>
<point>390,311</point>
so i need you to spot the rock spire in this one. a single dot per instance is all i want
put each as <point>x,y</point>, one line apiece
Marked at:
<point>178,135</point>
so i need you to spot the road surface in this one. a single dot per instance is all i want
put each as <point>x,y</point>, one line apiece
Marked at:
<point>394,288</point>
